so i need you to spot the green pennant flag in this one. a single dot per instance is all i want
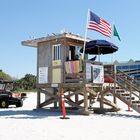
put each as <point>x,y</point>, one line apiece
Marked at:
<point>115,33</point>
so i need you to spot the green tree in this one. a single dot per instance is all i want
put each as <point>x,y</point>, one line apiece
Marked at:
<point>26,83</point>
<point>5,76</point>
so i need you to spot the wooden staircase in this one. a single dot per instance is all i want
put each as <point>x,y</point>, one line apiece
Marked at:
<point>127,90</point>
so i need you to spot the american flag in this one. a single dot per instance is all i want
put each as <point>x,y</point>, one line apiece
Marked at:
<point>100,25</point>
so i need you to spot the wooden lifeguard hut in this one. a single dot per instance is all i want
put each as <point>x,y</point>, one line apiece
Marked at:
<point>59,67</point>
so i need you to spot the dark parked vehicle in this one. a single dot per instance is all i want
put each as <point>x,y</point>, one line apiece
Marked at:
<point>7,97</point>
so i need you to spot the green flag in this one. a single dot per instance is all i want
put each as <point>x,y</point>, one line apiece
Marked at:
<point>115,33</point>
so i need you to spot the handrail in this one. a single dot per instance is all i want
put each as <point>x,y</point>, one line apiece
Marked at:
<point>129,77</point>
<point>123,86</point>
<point>128,80</point>
<point>127,83</point>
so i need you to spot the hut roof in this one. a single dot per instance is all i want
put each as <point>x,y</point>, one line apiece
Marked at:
<point>35,42</point>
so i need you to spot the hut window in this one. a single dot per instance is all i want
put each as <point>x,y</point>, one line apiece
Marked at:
<point>56,52</point>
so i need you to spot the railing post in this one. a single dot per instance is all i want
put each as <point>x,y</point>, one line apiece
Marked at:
<point>115,74</point>
<point>130,96</point>
<point>84,87</point>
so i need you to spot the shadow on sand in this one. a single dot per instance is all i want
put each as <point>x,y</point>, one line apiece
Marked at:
<point>28,114</point>
<point>44,113</point>
<point>119,115</point>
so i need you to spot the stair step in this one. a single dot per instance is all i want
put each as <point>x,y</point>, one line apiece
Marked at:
<point>120,90</point>
<point>125,94</point>
<point>132,98</point>
<point>136,102</point>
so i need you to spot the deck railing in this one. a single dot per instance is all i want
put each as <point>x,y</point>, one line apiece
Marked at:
<point>79,71</point>
<point>73,71</point>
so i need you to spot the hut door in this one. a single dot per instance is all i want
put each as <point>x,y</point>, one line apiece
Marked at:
<point>71,52</point>
<point>56,63</point>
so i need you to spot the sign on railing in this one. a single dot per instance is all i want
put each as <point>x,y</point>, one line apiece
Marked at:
<point>98,74</point>
<point>95,73</point>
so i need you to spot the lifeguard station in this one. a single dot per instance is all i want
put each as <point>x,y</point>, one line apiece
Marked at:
<point>59,66</point>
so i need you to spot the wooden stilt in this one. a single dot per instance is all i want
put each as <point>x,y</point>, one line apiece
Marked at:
<point>38,99</point>
<point>101,102</point>
<point>76,98</point>
<point>85,99</point>
<point>114,97</point>
<point>55,93</point>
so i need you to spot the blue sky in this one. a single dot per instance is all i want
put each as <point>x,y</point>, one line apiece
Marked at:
<point>27,19</point>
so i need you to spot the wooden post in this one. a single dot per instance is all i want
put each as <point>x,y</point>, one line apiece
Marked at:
<point>102,97</point>
<point>130,96</point>
<point>55,92</point>
<point>76,98</point>
<point>85,99</point>
<point>59,91</point>
<point>115,74</point>
<point>84,88</point>
<point>38,99</point>
<point>38,92</point>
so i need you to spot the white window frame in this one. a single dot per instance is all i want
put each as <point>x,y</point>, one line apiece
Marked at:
<point>56,52</point>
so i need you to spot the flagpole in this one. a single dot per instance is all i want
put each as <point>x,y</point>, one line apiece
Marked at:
<point>112,58</point>
<point>83,55</point>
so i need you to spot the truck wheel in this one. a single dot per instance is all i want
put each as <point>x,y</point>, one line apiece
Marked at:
<point>19,104</point>
<point>3,104</point>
